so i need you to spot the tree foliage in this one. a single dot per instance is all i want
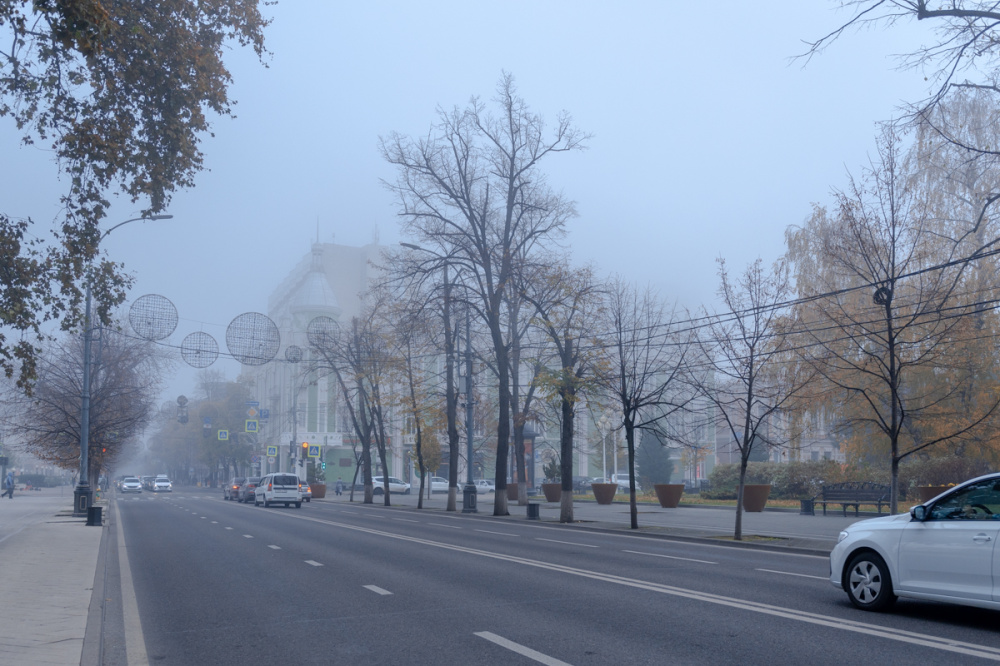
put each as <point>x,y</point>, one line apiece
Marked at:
<point>121,92</point>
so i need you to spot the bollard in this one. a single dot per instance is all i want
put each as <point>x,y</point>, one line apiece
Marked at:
<point>533,510</point>
<point>94,516</point>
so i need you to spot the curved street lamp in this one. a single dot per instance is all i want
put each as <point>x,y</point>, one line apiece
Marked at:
<point>83,496</point>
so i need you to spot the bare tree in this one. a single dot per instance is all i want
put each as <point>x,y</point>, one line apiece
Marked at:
<point>472,190</point>
<point>126,375</point>
<point>360,361</point>
<point>642,367</point>
<point>891,313</point>
<point>959,63</point>
<point>746,343</point>
<point>566,304</point>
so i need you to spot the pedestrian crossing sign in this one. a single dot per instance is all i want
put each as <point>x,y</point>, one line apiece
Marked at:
<point>251,425</point>
<point>313,451</point>
<point>272,451</point>
<point>224,435</point>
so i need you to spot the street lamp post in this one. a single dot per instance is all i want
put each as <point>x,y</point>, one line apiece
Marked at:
<point>83,495</point>
<point>469,497</point>
<point>604,453</point>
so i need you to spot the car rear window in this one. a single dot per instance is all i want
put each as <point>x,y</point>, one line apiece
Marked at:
<point>253,479</point>
<point>286,480</point>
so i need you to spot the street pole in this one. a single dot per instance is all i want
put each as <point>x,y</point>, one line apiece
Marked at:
<point>469,494</point>
<point>83,495</point>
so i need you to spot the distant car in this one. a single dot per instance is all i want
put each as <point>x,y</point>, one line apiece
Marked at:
<point>483,486</point>
<point>623,483</point>
<point>161,484</point>
<point>131,485</point>
<point>438,484</point>
<point>231,491</point>
<point>581,485</point>
<point>247,488</point>
<point>395,486</point>
<point>306,491</point>
<point>280,488</point>
<point>942,550</point>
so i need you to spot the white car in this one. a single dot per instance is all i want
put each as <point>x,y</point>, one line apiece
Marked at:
<point>623,483</point>
<point>131,485</point>
<point>440,485</point>
<point>942,550</point>
<point>280,488</point>
<point>483,486</point>
<point>395,486</point>
<point>161,484</point>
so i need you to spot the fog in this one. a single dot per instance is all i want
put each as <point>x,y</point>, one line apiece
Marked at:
<point>709,140</point>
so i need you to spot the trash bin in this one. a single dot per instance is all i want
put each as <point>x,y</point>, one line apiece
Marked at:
<point>806,507</point>
<point>533,510</point>
<point>94,515</point>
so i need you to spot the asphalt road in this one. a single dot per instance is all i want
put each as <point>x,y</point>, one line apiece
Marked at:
<point>218,582</point>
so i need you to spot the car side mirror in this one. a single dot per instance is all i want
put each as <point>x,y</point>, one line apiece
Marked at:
<point>919,513</point>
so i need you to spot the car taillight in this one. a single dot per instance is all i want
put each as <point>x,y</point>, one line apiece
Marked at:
<point>269,486</point>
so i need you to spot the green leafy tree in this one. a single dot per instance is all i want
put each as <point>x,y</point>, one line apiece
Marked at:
<point>652,461</point>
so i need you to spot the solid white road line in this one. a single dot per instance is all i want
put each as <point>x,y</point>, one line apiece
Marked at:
<point>313,563</point>
<point>789,573</point>
<point>377,590</point>
<point>135,641</point>
<point>520,649</point>
<point>568,543</point>
<point>669,557</point>
<point>783,612</point>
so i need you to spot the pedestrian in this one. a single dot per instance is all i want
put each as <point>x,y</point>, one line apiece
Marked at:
<point>8,485</point>
<point>339,487</point>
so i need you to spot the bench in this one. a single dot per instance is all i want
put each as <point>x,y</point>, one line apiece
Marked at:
<point>854,493</point>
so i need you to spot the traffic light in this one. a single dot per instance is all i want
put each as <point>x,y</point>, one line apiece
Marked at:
<point>322,465</point>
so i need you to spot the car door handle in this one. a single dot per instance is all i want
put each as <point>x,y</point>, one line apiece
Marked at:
<point>982,538</point>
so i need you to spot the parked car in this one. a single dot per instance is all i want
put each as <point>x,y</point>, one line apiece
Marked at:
<point>306,491</point>
<point>245,493</point>
<point>161,484</point>
<point>231,491</point>
<point>483,486</point>
<point>439,484</point>
<point>623,483</point>
<point>942,550</point>
<point>279,488</point>
<point>581,485</point>
<point>131,485</point>
<point>395,486</point>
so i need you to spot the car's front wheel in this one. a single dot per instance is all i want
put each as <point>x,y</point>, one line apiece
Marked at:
<point>868,583</point>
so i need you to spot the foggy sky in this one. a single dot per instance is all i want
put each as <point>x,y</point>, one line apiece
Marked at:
<point>708,141</point>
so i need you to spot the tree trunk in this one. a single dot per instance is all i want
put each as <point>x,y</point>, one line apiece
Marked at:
<point>566,454</point>
<point>503,430</point>
<point>738,533</point>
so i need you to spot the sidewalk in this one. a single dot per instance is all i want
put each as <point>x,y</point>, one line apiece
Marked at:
<point>48,560</point>
<point>771,529</point>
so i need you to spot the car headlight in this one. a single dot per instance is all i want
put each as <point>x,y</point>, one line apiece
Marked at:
<point>843,535</point>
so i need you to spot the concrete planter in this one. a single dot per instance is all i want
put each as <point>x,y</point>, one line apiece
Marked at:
<point>669,494</point>
<point>927,493</point>
<point>318,490</point>
<point>552,491</point>
<point>755,497</point>
<point>604,493</point>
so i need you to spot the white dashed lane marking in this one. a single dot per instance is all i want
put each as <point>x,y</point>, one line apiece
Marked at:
<point>313,563</point>
<point>377,590</point>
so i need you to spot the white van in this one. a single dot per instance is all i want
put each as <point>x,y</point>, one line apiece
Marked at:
<point>280,488</point>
